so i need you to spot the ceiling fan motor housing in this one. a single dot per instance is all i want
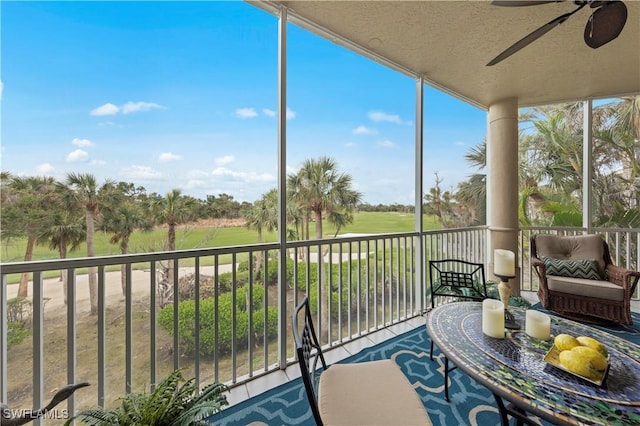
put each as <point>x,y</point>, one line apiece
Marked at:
<point>605,24</point>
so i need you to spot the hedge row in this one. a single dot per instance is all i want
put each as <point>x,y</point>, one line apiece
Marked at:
<point>186,321</point>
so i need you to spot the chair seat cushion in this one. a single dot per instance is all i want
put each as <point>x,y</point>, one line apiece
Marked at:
<point>585,287</point>
<point>369,393</point>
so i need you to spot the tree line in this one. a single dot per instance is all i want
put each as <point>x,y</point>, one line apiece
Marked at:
<point>65,214</point>
<point>550,169</point>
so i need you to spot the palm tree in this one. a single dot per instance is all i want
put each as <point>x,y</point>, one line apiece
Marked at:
<point>121,217</point>
<point>27,211</point>
<point>263,216</point>
<point>551,162</point>
<point>322,190</point>
<point>65,234</point>
<point>85,192</point>
<point>623,137</point>
<point>173,210</point>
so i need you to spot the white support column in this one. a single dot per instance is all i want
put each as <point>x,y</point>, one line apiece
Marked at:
<point>502,183</point>
<point>587,166</point>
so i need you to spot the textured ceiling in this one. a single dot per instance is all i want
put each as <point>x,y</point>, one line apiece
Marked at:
<point>450,42</point>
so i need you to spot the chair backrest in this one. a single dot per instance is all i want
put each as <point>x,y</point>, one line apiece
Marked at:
<point>574,247</point>
<point>308,352</point>
<point>457,279</point>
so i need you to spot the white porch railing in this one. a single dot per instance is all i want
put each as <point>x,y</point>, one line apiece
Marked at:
<point>219,331</point>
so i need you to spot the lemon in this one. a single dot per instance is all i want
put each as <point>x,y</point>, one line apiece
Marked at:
<point>565,342</point>
<point>596,358</point>
<point>592,343</point>
<point>578,364</point>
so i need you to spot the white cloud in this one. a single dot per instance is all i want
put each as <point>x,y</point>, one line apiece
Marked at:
<point>246,113</point>
<point>165,157</point>
<point>106,109</point>
<point>290,114</point>
<point>383,116</point>
<point>140,172</point>
<point>81,142</point>
<point>45,169</point>
<point>460,143</point>
<point>221,161</point>
<point>195,183</point>
<point>77,155</point>
<point>195,174</point>
<point>107,124</point>
<point>350,144</point>
<point>98,162</point>
<point>386,144</point>
<point>130,107</point>
<point>363,130</point>
<point>292,170</point>
<point>243,176</point>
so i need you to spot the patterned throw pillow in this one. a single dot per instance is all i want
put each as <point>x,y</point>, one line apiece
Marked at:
<point>583,268</point>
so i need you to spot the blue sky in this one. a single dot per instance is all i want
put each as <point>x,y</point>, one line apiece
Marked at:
<point>184,95</point>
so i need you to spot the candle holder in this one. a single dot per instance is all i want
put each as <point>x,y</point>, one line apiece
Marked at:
<point>504,289</point>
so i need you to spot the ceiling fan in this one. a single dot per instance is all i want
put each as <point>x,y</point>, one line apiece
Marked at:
<point>604,24</point>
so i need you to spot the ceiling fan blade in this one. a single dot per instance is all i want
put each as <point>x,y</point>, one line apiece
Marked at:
<point>605,24</point>
<point>517,3</point>
<point>525,41</point>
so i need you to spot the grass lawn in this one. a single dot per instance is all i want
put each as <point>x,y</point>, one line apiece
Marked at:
<point>189,237</point>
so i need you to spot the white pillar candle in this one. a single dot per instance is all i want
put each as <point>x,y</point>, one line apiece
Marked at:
<point>493,318</point>
<point>537,325</point>
<point>504,263</point>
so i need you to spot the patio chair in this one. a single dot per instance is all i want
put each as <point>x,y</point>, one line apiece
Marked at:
<point>365,393</point>
<point>579,281</point>
<point>454,280</point>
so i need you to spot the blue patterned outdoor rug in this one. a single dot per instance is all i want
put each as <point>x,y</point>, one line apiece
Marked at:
<point>471,403</point>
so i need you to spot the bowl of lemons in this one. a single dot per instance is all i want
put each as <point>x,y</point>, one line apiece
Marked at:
<point>582,356</point>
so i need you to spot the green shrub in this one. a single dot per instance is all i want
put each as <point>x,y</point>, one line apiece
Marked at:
<point>272,271</point>
<point>301,282</point>
<point>18,320</point>
<point>186,321</point>
<point>17,331</point>
<point>225,280</point>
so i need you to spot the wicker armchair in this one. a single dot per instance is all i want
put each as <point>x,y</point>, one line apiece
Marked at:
<point>570,290</point>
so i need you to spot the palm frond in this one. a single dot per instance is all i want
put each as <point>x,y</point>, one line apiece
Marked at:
<point>95,417</point>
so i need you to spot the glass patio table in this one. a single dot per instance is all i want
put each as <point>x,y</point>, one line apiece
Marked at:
<point>514,370</point>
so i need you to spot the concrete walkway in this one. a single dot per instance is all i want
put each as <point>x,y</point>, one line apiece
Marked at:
<point>53,292</point>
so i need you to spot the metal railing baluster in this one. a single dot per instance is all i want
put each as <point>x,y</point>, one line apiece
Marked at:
<point>38,343</point>
<point>102,336</point>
